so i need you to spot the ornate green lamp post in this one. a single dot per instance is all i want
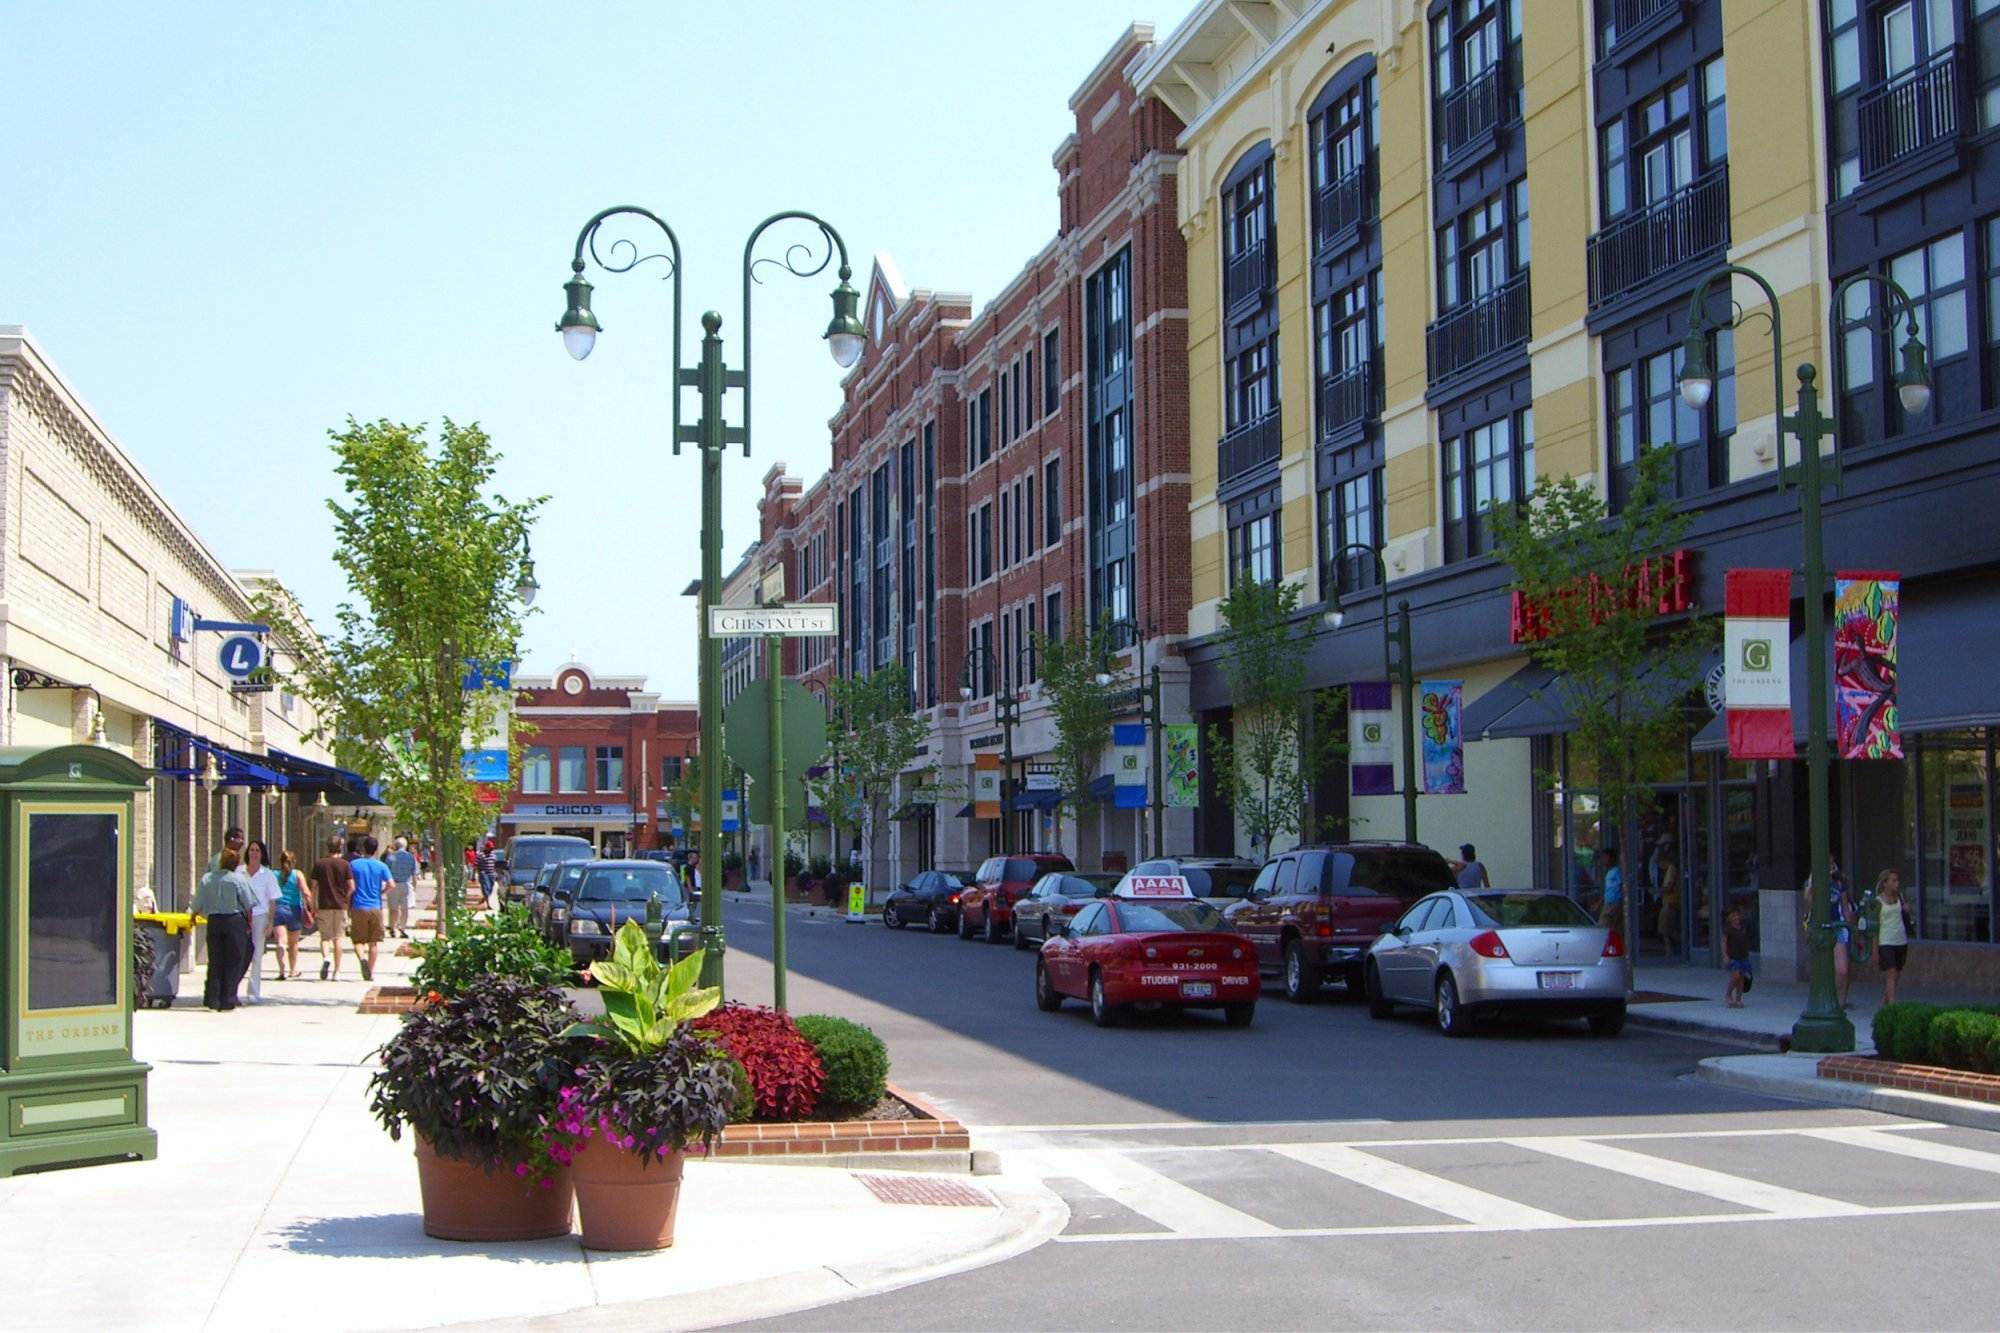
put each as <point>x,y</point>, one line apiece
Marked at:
<point>1823,1026</point>
<point>1151,686</point>
<point>1402,671</point>
<point>710,379</point>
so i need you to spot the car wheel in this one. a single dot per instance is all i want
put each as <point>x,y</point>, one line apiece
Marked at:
<point>936,919</point>
<point>1379,1005</point>
<point>1239,1015</point>
<point>1355,979</point>
<point>1101,1013</point>
<point>1021,936</point>
<point>1451,1016</point>
<point>992,931</point>
<point>964,925</point>
<point>1609,1023</point>
<point>1047,998</point>
<point>890,918</point>
<point>1302,976</point>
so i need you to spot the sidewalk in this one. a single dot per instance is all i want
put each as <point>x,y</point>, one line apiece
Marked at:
<point>278,1202</point>
<point>1768,1011</point>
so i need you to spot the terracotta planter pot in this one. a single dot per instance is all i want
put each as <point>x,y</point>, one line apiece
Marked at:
<point>625,1202</point>
<point>463,1202</point>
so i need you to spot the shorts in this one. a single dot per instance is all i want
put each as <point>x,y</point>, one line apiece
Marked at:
<point>1740,966</point>
<point>396,895</point>
<point>288,916</point>
<point>1892,957</point>
<point>364,925</point>
<point>332,922</point>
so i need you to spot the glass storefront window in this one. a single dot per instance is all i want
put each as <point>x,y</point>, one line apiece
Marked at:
<point>1955,833</point>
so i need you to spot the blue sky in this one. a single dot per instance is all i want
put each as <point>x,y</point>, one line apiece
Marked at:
<point>232,226</point>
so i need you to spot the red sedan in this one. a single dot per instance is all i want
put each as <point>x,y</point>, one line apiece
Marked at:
<point>1151,948</point>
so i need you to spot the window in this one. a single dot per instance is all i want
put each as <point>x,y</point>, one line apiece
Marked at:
<point>980,547</point>
<point>1343,148</point>
<point>1253,383</point>
<point>535,769</point>
<point>670,772</point>
<point>1027,382</point>
<point>610,766</point>
<point>930,565</point>
<point>978,429</point>
<point>1020,519</point>
<point>1934,276</point>
<point>1490,465</point>
<point>1470,41</point>
<point>1006,527</point>
<point>1034,533</point>
<point>980,664</point>
<point>1483,247</point>
<point>1347,343</point>
<point>1006,414</point>
<point>1253,539</point>
<point>1051,372</point>
<point>1644,410</point>
<point>1052,519</point>
<point>1052,621</point>
<point>573,775</point>
<point>1249,212</point>
<point>1664,143</point>
<point>1350,514</point>
<point>1110,524</point>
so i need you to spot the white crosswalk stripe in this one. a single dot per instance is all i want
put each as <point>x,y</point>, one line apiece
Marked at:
<point>1181,1209</point>
<point>1422,1188</point>
<point>1946,1154</point>
<point>1721,1185</point>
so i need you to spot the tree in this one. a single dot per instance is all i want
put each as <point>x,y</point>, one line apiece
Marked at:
<point>874,735</point>
<point>685,799</point>
<point>432,561</point>
<point>1079,707</point>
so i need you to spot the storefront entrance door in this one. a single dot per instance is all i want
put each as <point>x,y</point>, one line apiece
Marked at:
<point>1672,874</point>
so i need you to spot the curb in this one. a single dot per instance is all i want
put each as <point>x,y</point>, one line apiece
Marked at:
<point>1694,1027</point>
<point>1860,1096</point>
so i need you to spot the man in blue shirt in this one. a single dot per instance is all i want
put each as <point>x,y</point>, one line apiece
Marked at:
<point>364,920</point>
<point>402,863</point>
<point>1612,880</point>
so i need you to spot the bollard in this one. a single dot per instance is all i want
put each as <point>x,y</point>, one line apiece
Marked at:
<point>857,903</point>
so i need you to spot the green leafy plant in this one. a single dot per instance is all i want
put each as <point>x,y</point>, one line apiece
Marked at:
<point>1079,707</point>
<point>873,736</point>
<point>855,1060</point>
<point>745,1105</point>
<point>645,1004</point>
<point>505,945</point>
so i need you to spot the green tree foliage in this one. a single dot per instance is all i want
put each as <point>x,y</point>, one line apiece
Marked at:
<point>432,559</point>
<point>1278,739</point>
<point>1078,705</point>
<point>873,734</point>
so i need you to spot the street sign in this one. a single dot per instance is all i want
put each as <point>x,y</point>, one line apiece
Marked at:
<point>746,739</point>
<point>239,656</point>
<point>804,620</point>
<point>857,903</point>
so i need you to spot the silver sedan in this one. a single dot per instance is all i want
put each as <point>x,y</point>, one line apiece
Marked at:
<point>1463,954</point>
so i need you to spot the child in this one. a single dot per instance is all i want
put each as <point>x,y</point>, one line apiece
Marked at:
<point>1736,953</point>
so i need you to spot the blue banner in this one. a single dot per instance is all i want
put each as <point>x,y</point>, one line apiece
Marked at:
<point>1128,766</point>
<point>1439,703</point>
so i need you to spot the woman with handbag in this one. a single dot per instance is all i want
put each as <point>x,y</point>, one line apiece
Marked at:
<point>1892,936</point>
<point>294,914</point>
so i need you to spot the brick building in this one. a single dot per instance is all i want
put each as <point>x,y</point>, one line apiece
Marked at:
<point>1010,470</point>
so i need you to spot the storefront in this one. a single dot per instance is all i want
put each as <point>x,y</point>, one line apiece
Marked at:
<point>606,825</point>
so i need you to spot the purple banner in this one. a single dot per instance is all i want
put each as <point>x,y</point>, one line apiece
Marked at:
<point>1370,758</point>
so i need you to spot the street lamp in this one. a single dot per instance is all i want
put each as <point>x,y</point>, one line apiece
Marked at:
<point>845,338</point>
<point>1822,1026</point>
<point>1402,671</point>
<point>1006,710</point>
<point>1152,714</point>
<point>527,587</point>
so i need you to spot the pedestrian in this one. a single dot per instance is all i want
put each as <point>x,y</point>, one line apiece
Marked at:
<point>486,872</point>
<point>1471,873</point>
<point>263,914</point>
<point>294,914</point>
<point>224,897</point>
<point>232,841</point>
<point>1892,933</point>
<point>694,870</point>
<point>402,881</point>
<point>364,918</point>
<point>333,896</point>
<point>1841,914</point>
<point>1611,879</point>
<point>1736,957</point>
<point>756,861</point>
<point>1667,881</point>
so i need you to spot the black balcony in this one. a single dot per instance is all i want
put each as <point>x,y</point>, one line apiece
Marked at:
<point>1632,20</point>
<point>1347,398</point>
<point>1689,224</point>
<point>1465,336</point>
<point>1922,109</point>
<point>1247,278</point>
<point>1248,446</point>
<point>1469,115</point>
<point>1341,207</point>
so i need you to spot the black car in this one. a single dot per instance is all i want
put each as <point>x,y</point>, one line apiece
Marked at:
<point>931,898</point>
<point>594,898</point>
<point>527,853</point>
<point>1056,898</point>
<point>551,879</point>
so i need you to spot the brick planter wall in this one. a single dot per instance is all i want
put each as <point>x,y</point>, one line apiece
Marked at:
<point>1912,1078</point>
<point>934,1132</point>
<point>389,1000</point>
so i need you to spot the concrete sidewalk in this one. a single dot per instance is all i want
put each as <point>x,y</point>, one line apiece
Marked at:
<point>1796,1077</point>
<point>1768,1011</point>
<point>278,1202</point>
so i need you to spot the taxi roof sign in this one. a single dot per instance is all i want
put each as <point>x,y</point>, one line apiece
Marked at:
<point>1155,886</point>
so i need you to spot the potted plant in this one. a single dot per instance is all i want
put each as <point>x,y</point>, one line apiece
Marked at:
<point>505,944</point>
<point>476,1076</point>
<point>648,1087</point>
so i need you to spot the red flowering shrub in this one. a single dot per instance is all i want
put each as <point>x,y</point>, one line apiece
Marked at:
<point>784,1069</point>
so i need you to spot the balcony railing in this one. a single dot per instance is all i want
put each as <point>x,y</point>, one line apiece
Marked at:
<point>1347,397</point>
<point>1249,445</point>
<point>1923,107</point>
<point>1475,109</point>
<point>1472,332</point>
<point>1247,277</point>
<point>1633,18</point>
<point>1342,205</point>
<point>1685,226</point>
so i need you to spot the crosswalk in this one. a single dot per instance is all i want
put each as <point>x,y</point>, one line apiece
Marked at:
<point>1153,1191</point>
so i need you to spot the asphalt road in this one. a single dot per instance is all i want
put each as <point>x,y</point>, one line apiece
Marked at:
<point>1320,1169</point>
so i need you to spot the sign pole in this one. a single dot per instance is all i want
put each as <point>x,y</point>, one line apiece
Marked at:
<point>775,657</point>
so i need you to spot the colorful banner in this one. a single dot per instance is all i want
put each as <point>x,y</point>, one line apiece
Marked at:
<point>1865,613</point>
<point>986,785</point>
<point>1439,705</point>
<point>1183,765</point>
<point>1371,760</point>
<point>1128,765</point>
<point>1757,662</point>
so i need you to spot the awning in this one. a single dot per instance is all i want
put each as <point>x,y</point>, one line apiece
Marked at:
<point>1946,644</point>
<point>234,768</point>
<point>1100,788</point>
<point>1538,705</point>
<point>913,810</point>
<point>1034,800</point>
<point>965,812</point>
<point>1494,711</point>
<point>343,786</point>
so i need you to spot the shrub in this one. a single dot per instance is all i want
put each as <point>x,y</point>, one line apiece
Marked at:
<point>795,864</point>
<point>855,1060</point>
<point>819,867</point>
<point>784,1071</point>
<point>745,1104</point>
<point>731,862</point>
<point>502,945</point>
<point>1964,1039</point>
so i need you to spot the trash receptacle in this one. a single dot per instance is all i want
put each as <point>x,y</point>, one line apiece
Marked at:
<point>168,932</point>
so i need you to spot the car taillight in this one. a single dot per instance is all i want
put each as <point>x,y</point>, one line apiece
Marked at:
<point>954,897</point>
<point>1487,944</point>
<point>1614,945</point>
<point>1325,930</point>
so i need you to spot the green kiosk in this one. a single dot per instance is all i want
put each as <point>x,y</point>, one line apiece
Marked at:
<point>70,1091</point>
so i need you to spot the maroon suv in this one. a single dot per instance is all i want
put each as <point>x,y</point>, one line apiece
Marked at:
<point>1313,911</point>
<point>987,905</point>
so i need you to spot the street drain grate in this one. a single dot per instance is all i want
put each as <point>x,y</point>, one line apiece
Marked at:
<point>926,1190</point>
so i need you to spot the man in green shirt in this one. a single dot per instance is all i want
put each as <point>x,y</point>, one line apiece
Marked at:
<point>225,898</point>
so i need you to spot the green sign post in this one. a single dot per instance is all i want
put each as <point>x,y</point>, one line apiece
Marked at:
<point>71,1092</point>
<point>788,715</point>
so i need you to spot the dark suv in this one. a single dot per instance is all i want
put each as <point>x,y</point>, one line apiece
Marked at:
<point>987,906</point>
<point>527,853</point>
<point>1314,911</point>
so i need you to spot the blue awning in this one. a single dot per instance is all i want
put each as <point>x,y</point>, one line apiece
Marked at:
<point>1034,800</point>
<point>233,768</point>
<point>343,786</point>
<point>1100,788</point>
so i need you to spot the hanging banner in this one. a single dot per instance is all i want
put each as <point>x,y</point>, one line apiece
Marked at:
<point>731,810</point>
<point>1183,765</point>
<point>1439,704</point>
<point>1128,765</point>
<point>1756,652</point>
<point>1370,758</point>
<point>986,786</point>
<point>1866,609</point>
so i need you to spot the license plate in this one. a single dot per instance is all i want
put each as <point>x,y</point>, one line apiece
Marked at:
<point>1558,981</point>
<point>1197,990</point>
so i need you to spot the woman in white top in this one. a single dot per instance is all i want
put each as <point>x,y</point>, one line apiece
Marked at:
<point>264,885</point>
<point>1892,937</point>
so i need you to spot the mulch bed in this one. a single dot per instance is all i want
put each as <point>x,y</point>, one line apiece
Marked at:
<point>900,1123</point>
<point>1935,1079</point>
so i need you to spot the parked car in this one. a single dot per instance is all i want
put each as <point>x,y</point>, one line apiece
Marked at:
<point>1221,879</point>
<point>1462,955</point>
<point>527,853</point>
<point>563,877</point>
<point>1314,911</point>
<point>535,901</point>
<point>987,905</point>
<point>931,897</point>
<point>605,895</point>
<point>1148,952</point>
<point>1054,900</point>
